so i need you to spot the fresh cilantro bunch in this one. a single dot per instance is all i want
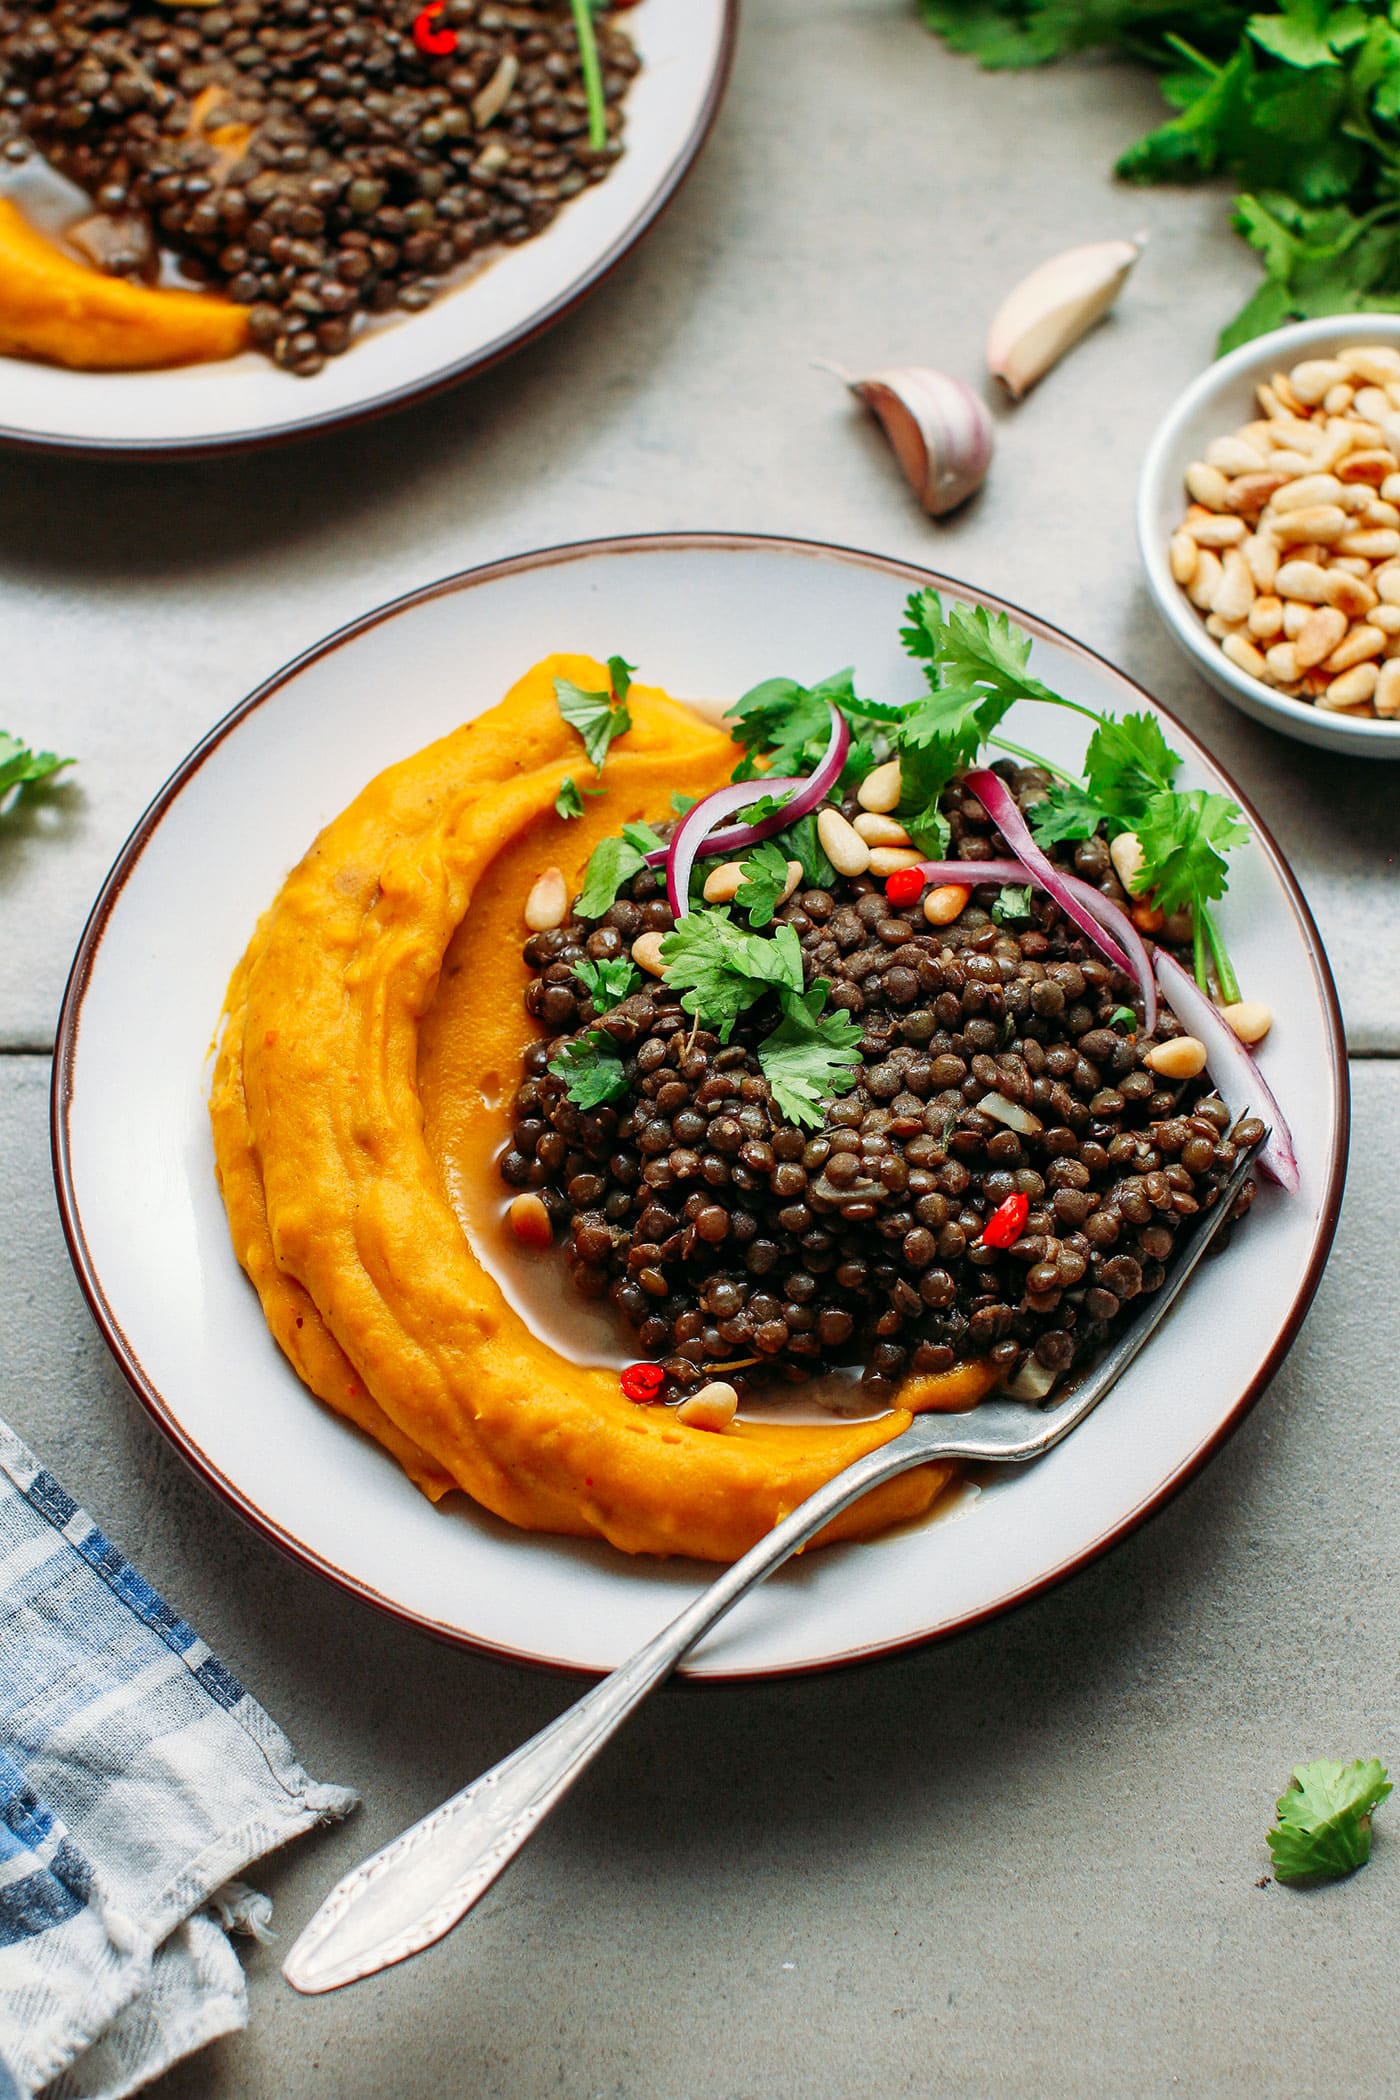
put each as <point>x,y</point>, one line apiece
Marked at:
<point>21,768</point>
<point>1300,106</point>
<point>1324,1819</point>
<point>783,727</point>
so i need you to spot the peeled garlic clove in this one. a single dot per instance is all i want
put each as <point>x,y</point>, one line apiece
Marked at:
<point>1052,308</point>
<point>940,431</point>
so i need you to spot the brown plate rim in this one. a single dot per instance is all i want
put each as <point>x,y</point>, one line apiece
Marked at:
<point>565,302</point>
<point>70,1023</point>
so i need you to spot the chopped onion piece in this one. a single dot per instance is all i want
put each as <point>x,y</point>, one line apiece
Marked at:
<point>1032,1382</point>
<point>1231,1067</point>
<point>1005,812</point>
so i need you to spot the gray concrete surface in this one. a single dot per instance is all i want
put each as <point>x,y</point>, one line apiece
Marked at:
<point>1026,1862</point>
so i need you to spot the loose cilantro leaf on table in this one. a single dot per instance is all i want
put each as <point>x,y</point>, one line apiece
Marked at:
<point>723,971</point>
<point>569,800</point>
<point>810,1056</point>
<point>765,879</point>
<point>21,768</point>
<point>598,717</point>
<point>1324,1819</point>
<point>608,982</point>
<point>613,862</point>
<point>592,1066</point>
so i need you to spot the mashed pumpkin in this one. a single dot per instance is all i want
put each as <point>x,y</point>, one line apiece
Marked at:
<point>371,1043</point>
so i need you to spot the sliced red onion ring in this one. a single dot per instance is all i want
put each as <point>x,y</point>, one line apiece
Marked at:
<point>697,839</point>
<point>967,873</point>
<point>1003,809</point>
<point>1231,1067</point>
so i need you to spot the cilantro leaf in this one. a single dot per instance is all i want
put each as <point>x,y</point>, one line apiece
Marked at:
<point>1066,812</point>
<point>1125,1017</point>
<point>723,971</point>
<point>21,768</point>
<point>803,844</point>
<point>1308,32</point>
<point>610,981</point>
<point>1324,1819</point>
<point>787,725</point>
<point>1184,841</point>
<point>592,1066</point>
<point>808,1057</point>
<point>1013,904</point>
<point>569,800</point>
<point>765,880</point>
<point>682,804</point>
<point>612,862</point>
<point>766,806</point>
<point>1127,761</point>
<point>598,717</point>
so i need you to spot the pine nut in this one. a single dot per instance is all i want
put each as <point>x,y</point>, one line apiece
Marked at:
<point>1313,379</point>
<point>1266,618</point>
<point>1370,362</point>
<point>1283,391</point>
<point>1386,698</point>
<point>1321,633</point>
<point>1390,488</point>
<point>1374,403</point>
<point>1243,655</point>
<point>646,953</point>
<point>1235,592</point>
<point>942,906</point>
<point>1373,467</point>
<point>1372,546</point>
<point>1338,399</point>
<point>842,843</point>
<point>547,905</point>
<point>1262,555</point>
<point>1181,1058</point>
<point>1234,455</point>
<point>1349,595</point>
<point>713,1407</point>
<point>1386,617</point>
<point>1307,490</point>
<point>1388,584</point>
<point>1322,522</point>
<point>1182,555</point>
<point>880,790</point>
<point>1126,854</point>
<point>879,830</point>
<point>1208,485</point>
<point>1213,531</point>
<point>1217,626</point>
<point>888,860</point>
<point>1303,579</point>
<point>1250,1019</point>
<point>1353,689</point>
<point>1377,516</point>
<point>1282,663</point>
<point>722,884</point>
<point>529,1220</point>
<point>1362,642</point>
<point>796,875</point>
<point>1206,581</point>
<point>1295,618</point>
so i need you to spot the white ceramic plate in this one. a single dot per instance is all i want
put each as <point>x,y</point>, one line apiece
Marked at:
<point>704,615</point>
<point>685,47</point>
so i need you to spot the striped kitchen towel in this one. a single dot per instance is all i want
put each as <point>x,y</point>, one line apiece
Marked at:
<point>137,1781</point>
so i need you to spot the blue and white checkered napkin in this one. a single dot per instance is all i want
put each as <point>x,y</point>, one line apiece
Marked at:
<point>137,1779</point>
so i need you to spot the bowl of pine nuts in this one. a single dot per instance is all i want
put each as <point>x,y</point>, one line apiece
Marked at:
<point>1269,524</point>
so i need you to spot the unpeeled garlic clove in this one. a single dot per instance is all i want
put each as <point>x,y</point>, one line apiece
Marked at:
<point>1051,309</point>
<point>940,431</point>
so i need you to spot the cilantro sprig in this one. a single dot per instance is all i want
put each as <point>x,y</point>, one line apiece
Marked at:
<point>1324,1819</point>
<point>598,717</point>
<point>765,879</point>
<point>613,861</point>
<point>592,1065</point>
<point>609,982</point>
<point>21,767</point>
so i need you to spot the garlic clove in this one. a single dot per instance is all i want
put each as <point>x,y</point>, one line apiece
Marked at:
<point>1051,309</point>
<point>941,433</point>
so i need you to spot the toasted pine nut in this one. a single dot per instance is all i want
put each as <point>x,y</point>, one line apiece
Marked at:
<point>1338,399</point>
<point>1379,515</point>
<point>1282,663</point>
<point>1373,467</point>
<point>1283,391</point>
<point>1218,626</point>
<point>796,874</point>
<point>1235,592</point>
<point>646,953</point>
<point>1205,582</point>
<point>722,884</point>
<point>1353,689</point>
<point>1213,531</point>
<point>1243,655</point>
<point>880,789</point>
<point>879,830</point>
<point>1312,379</point>
<point>1126,854</point>
<point>1321,522</point>
<point>1381,545</point>
<point>713,1407</point>
<point>942,906</point>
<point>1261,553</point>
<point>547,905</point>
<point>1181,1058</point>
<point>1295,618</point>
<point>842,843</point>
<point>1390,488</point>
<point>1250,1019</point>
<point>1234,455</point>
<point>1303,579</point>
<point>1308,489</point>
<point>529,1220</point>
<point>1387,582</point>
<point>1386,617</point>
<point>1372,402</point>
<point>1208,485</point>
<point>1362,642</point>
<point>1386,697</point>
<point>1321,632</point>
<point>1349,595</point>
<point>1371,362</point>
<point>1266,618</point>
<point>888,860</point>
<point>1148,918</point>
<point>1182,555</point>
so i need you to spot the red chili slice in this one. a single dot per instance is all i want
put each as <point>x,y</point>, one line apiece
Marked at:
<point>1007,1222</point>
<point>433,43</point>
<point>905,886</point>
<point>643,1382</point>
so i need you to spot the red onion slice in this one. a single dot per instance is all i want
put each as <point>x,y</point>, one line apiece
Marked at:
<point>697,839</point>
<point>1002,807</point>
<point>1231,1065</point>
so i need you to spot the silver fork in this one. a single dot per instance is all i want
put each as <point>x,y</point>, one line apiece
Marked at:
<point>413,1891</point>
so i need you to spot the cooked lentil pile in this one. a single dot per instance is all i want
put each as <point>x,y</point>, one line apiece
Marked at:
<point>725,1236</point>
<point>307,160</point>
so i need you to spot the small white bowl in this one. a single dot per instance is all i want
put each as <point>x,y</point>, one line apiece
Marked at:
<point>1213,406</point>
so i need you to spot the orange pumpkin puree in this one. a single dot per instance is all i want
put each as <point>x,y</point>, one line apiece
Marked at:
<point>371,1045</point>
<point>55,308</point>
